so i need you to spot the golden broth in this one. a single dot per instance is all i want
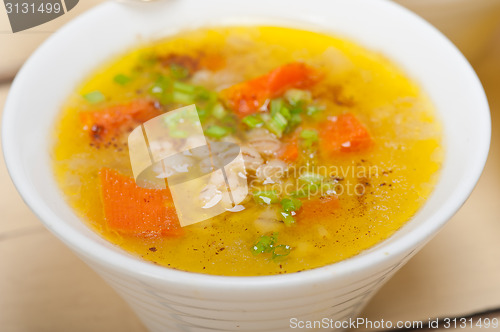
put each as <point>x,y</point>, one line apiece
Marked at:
<point>382,188</point>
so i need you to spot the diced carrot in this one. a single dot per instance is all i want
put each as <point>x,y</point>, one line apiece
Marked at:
<point>292,75</point>
<point>290,151</point>
<point>105,124</point>
<point>344,133</point>
<point>248,97</point>
<point>137,211</point>
<point>318,208</point>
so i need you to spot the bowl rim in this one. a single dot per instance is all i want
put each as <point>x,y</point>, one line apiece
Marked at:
<point>96,252</point>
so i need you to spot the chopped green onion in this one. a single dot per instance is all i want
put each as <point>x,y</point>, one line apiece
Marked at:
<point>295,120</point>
<point>291,204</point>
<point>280,252</point>
<point>276,105</point>
<point>218,111</point>
<point>286,113</point>
<point>313,109</point>
<point>182,98</point>
<point>204,94</point>
<point>311,178</point>
<point>296,96</point>
<point>184,87</point>
<point>275,124</point>
<point>161,89</point>
<point>287,218</point>
<point>176,133</point>
<point>202,114</point>
<point>253,121</point>
<point>184,93</point>
<point>161,85</point>
<point>217,131</point>
<point>309,134</point>
<point>174,123</point>
<point>94,97</point>
<point>265,197</point>
<point>178,71</point>
<point>296,109</point>
<point>122,79</point>
<point>265,244</point>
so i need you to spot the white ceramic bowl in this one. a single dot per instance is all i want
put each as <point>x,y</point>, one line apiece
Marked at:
<point>169,300</point>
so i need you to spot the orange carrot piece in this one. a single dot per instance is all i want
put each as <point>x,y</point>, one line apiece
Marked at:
<point>344,133</point>
<point>103,125</point>
<point>290,151</point>
<point>248,97</point>
<point>317,208</point>
<point>137,211</point>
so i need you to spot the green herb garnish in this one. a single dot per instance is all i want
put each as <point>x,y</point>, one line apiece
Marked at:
<point>204,94</point>
<point>176,133</point>
<point>276,123</point>
<point>253,121</point>
<point>295,120</point>
<point>309,134</point>
<point>94,97</point>
<point>174,123</point>
<point>217,131</point>
<point>183,98</point>
<point>268,244</point>
<point>265,244</point>
<point>311,178</point>
<point>286,113</point>
<point>161,89</point>
<point>265,197</point>
<point>309,137</point>
<point>122,79</point>
<point>291,204</point>
<point>280,252</point>
<point>287,218</point>
<point>218,111</point>
<point>276,105</point>
<point>311,110</point>
<point>296,96</point>
<point>184,87</point>
<point>202,114</point>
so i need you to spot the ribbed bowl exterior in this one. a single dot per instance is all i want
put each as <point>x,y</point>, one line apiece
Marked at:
<point>161,306</point>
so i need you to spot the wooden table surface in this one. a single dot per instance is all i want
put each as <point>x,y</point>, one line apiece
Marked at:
<point>45,287</point>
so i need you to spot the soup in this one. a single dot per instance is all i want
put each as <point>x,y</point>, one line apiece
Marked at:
<point>340,147</point>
